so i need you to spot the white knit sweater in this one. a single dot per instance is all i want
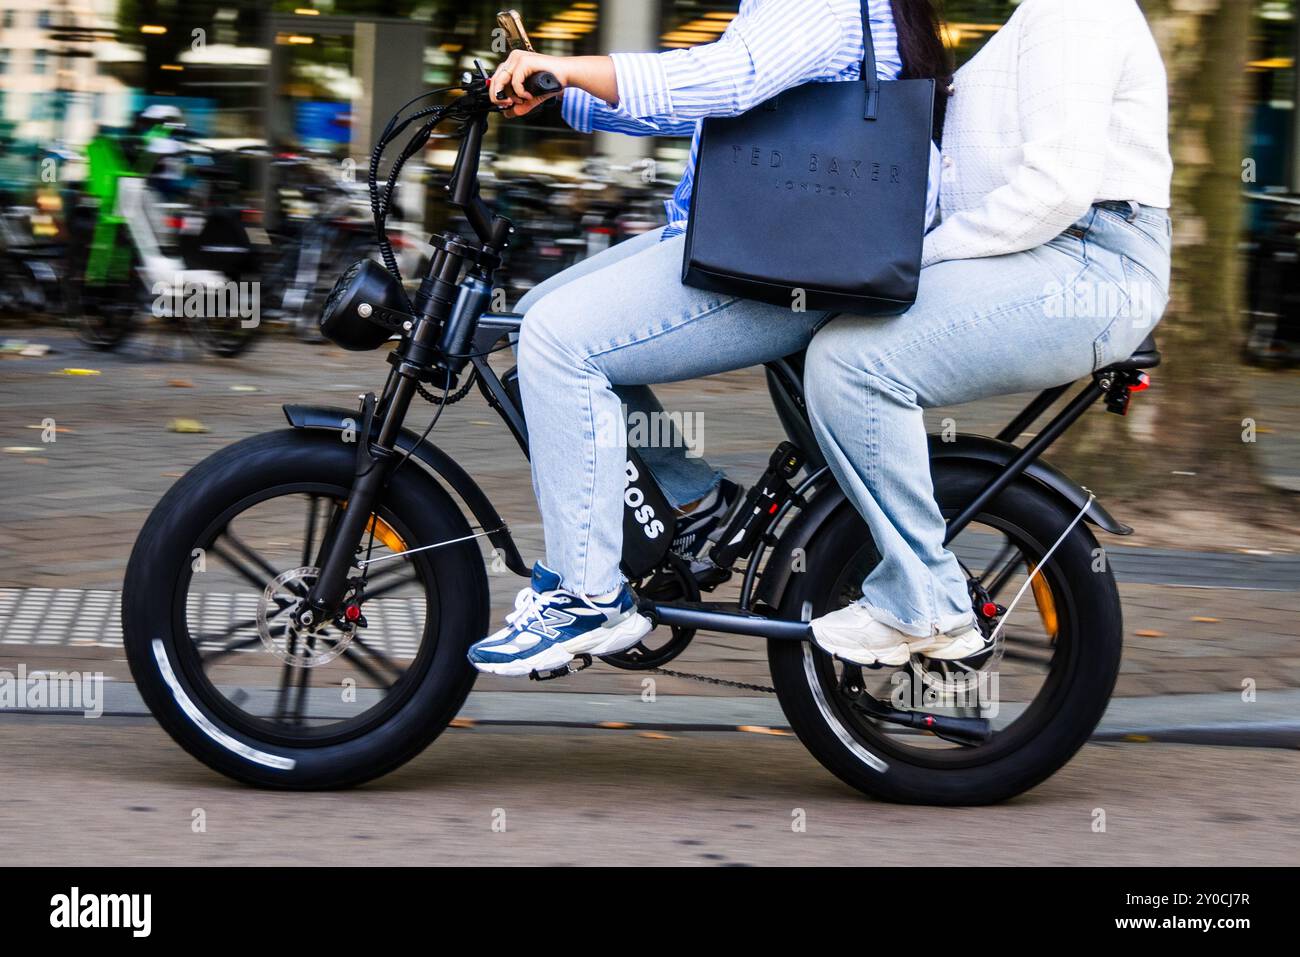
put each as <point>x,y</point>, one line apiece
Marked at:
<point>1066,106</point>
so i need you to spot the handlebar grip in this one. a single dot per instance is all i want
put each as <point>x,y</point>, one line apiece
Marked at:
<point>542,84</point>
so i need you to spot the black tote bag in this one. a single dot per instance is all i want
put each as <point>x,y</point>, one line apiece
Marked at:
<point>821,189</point>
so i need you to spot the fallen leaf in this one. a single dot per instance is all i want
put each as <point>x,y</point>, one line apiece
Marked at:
<point>1203,618</point>
<point>655,736</point>
<point>186,426</point>
<point>180,383</point>
<point>463,722</point>
<point>1137,738</point>
<point>78,372</point>
<point>60,429</point>
<point>243,388</point>
<point>1149,633</point>
<point>759,729</point>
<point>615,725</point>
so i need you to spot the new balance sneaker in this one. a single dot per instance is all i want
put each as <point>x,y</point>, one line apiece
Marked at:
<point>852,634</point>
<point>550,626</point>
<point>695,527</point>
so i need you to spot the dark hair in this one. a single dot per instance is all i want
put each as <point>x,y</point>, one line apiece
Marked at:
<point>920,43</point>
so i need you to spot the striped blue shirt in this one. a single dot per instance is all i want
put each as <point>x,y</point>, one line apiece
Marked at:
<point>770,46</point>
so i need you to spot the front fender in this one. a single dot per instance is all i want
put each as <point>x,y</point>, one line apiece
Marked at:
<point>322,418</point>
<point>986,452</point>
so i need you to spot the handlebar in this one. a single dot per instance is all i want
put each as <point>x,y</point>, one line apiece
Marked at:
<point>473,109</point>
<point>539,84</point>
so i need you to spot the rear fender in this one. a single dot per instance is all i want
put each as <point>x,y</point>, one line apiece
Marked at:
<point>967,451</point>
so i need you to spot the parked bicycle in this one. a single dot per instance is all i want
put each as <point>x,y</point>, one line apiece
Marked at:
<point>324,219</point>
<point>134,251</point>
<point>1273,281</point>
<point>298,607</point>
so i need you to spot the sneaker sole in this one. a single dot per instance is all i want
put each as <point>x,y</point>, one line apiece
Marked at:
<point>858,654</point>
<point>936,649</point>
<point>955,650</point>
<point>604,641</point>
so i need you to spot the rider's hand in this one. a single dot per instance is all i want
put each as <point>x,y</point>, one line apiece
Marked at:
<point>517,68</point>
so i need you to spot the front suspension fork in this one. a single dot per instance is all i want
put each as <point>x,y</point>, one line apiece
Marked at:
<point>376,459</point>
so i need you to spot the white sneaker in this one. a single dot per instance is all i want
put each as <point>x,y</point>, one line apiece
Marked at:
<point>955,645</point>
<point>852,634</point>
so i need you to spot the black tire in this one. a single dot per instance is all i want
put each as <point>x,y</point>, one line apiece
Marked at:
<point>1083,666</point>
<point>158,575</point>
<point>103,321</point>
<point>225,337</point>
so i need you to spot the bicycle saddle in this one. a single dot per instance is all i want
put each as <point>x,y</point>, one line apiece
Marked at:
<point>1147,356</point>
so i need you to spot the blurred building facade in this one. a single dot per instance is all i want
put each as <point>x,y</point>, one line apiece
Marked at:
<point>323,74</point>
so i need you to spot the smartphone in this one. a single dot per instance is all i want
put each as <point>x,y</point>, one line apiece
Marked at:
<point>513,24</point>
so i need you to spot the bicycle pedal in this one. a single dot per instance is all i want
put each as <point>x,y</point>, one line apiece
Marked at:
<point>584,662</point>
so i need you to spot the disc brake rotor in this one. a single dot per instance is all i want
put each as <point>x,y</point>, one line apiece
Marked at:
<point>959,679</point>
<point>293,644</point>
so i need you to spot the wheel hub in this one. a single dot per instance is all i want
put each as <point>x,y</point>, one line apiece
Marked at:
<point>302,646</point>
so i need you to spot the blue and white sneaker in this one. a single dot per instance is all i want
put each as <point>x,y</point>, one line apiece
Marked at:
<point>710,516</point>
<point>550,626</point>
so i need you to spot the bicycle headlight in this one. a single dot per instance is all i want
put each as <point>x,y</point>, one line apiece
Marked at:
<point>364,309</point>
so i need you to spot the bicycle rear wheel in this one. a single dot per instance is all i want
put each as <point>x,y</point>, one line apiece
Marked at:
<point>1043,687</point>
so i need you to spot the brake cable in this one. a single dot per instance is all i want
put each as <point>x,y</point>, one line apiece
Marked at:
<point>380,205</point>
<point>1038,566</point>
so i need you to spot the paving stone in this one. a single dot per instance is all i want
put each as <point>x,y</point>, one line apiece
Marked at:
<point>70,521</point>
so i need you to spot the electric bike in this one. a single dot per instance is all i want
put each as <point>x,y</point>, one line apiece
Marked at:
<point>298,607</point>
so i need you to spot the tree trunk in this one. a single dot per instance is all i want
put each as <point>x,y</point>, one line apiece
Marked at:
<point>1186,433</point>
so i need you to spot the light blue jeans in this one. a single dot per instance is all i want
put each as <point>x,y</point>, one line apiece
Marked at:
<point>980,327</point>
<point>592,337</point>
<point>683,479</point>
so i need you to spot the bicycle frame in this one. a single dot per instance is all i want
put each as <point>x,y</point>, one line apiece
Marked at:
<point>449,329</point>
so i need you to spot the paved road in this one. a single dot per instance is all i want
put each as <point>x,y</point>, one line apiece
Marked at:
<point>121,793</point>
<point>1196,621</point>
<point>1199,623</point>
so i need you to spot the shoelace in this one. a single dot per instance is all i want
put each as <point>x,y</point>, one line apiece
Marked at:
<point>530,605</point>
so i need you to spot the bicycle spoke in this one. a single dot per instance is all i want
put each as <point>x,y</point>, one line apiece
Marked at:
<point>260,545</point>
<point>405,575</point>
<point>1010,558</point>
<point>287,686</point>
<point>230,649</point>
<point>366,667</point>
<point>249,553</point>
<point>246,573</point>
<point>1026,653</point>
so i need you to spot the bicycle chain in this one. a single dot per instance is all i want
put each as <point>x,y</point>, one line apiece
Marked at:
<point>709,680</point>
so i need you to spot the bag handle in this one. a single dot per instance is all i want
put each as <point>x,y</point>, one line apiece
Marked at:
<point>872,109</point>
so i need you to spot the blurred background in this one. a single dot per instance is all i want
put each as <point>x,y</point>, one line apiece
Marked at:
<point>231,138</point>
<point>254,122</point>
